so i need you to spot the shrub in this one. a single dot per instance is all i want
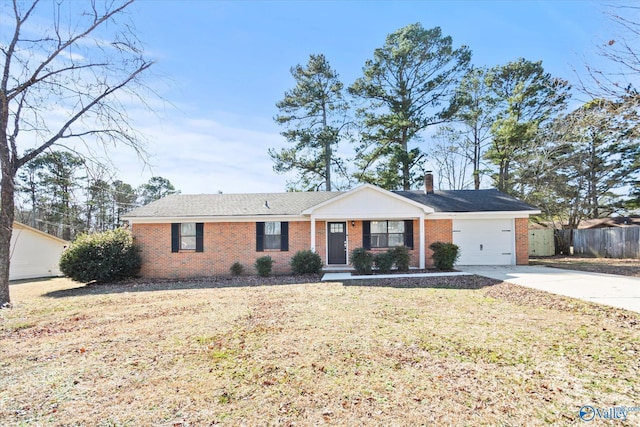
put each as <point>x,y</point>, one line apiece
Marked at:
<point>362,260</point>
<point>264,264</point>
<point>444,255</point>
<point>101,257</point>
<point>236,269</point>
<point>384,261</point>
<point>401,258</point>
<point>306,262</point>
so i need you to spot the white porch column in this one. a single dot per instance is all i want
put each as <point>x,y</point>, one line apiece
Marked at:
<point>313,233</point>
<point>422,240</point>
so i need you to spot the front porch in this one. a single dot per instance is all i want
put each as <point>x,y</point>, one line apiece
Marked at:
<point>343,223</point>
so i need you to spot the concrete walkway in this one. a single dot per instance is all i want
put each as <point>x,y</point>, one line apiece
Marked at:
<point>608,289</point>
<point>339,277</point>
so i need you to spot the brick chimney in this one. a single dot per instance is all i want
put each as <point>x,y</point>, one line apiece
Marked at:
<point>428,182</point>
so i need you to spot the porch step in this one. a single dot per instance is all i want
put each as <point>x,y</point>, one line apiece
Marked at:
<point>338,270</point>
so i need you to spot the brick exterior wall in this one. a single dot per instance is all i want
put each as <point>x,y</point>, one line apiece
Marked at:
<point>228,242</point>
<point>436,230</point>
<point>224,243</point>
<point>522,241</point>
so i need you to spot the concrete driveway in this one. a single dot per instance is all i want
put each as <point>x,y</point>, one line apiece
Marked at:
<point>608,289</point>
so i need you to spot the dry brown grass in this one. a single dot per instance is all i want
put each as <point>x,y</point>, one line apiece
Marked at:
<point>305,354</point>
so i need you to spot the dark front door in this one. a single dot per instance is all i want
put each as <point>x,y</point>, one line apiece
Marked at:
<point>337,232</point>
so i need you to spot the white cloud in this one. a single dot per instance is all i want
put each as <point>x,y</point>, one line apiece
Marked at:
<point>205,156</point>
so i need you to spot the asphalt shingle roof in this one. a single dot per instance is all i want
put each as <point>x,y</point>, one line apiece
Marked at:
<point>206,205</point>
<point>467,200</point>
<point>257,204</point>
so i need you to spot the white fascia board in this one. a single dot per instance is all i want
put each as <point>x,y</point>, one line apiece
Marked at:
<point>425,208</point>
<point>367,217</point>
<point>480,215</point>
<point>20,226</point>
<point>261,218</point>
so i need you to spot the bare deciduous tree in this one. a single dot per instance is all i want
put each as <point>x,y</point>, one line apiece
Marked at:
<point>617,78</point>
<point>62,83</point>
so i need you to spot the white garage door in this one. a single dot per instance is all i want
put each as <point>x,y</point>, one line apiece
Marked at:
<point>485,241</point>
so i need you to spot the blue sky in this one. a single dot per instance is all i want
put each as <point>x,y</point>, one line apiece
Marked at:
<point>222,66</point>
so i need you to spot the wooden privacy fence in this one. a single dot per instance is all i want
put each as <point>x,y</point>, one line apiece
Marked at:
<point>621,242</point>
<point>541,242</point>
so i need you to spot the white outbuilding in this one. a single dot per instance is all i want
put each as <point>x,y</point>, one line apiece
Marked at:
<point>34,254</point>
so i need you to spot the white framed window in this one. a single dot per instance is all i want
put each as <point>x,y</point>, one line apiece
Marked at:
<point>272,234</point>
<point>188,236</point>
<point>387,234</point>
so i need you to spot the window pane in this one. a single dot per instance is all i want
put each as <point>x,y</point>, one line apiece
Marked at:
<point>272,228</point>
<point>188,229</point>
<point>396,240</point>
<point>188,242</point>
<point>396,226</point>
<point>378,240</point>
<point>272,242</point>
<point>337,228</point>
<point>378,226</point>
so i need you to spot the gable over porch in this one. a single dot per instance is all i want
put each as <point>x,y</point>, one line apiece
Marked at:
<point>369,217</point>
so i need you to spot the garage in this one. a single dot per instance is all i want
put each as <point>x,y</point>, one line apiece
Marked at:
<point>485,241</point>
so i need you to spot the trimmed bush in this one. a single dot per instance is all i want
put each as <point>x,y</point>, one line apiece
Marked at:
<point>236,269</point>
<point>384,261</point>
<point>401,258</point>
<point>362,260</point>
<point>264,264</point>
<point>101,257</point>
<point>444,255</point>
<point>306,262</point>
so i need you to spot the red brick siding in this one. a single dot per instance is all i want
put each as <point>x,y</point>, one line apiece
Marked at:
<point>224,243</point>
<point>522,241</point>
<point>436,230</point>
<point>321,240</point>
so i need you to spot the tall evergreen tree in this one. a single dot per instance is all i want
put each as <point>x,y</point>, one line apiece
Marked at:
<point>156,188</point>
<point>59,179</point>
<point>527,98</point>
<point>406,88</point>
<point>124,199</point>
<point>314,114</point>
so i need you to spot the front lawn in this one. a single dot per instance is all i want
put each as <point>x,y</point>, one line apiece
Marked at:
<point>402,352</point>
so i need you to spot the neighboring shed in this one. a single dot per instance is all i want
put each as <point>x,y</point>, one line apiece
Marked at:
<point>34,253</point>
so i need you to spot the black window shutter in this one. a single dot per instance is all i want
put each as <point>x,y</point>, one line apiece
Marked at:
<point>259,236</point>
<point>284,236</point>
<point>366,234</point>
<point>175,237</point>
<point>199,237</point>
<point>408,233</point>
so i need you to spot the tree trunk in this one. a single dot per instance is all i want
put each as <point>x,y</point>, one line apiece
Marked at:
<point>327,150</point>
<point>7,212</point>
<point>406,177</point>
<point>476,158</point>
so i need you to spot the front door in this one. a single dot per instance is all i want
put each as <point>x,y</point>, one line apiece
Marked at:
<point>337,242</point>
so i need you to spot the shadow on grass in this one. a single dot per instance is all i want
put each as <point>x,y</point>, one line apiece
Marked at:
<point>439,282</point>
<point>36,280</point>
<point>157,285</point>
<point>140,285</point>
